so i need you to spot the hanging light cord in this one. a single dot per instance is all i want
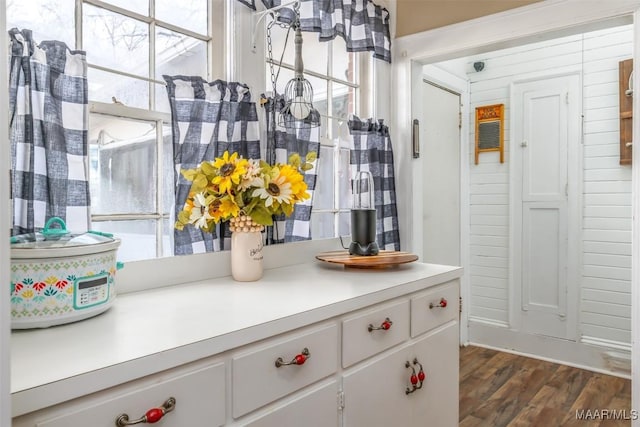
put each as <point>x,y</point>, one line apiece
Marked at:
<point>274,75</point>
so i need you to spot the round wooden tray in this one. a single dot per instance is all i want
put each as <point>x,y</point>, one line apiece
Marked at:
<point>384,259</point>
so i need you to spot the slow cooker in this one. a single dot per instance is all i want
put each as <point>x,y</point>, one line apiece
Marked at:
<point>58,277</point>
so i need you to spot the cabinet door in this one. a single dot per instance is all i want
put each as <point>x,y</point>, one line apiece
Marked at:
<point>437,401</point>
<point>199,401</point>
<point>374,394</point>
<point>317,408</point>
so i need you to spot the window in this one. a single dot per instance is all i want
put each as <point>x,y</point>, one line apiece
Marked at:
<point>335,75</point>
<point>130,44</point>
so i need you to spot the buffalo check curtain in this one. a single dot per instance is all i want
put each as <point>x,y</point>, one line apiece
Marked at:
<point>361,23</point>
<point>281,143</point>
<point>48,123</point>
<point>207,119</point>
<point>371,150</point>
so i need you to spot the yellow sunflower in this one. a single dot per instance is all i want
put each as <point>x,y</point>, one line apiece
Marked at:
<point>274,188</point>
<point>298,186</point>
<point>230,171</point>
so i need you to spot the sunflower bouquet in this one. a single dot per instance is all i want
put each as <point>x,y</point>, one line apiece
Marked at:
<point>231,187</point>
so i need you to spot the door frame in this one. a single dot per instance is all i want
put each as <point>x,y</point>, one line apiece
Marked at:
<point>510,28</point>
<point>458,85</point>
<point>574,203</point>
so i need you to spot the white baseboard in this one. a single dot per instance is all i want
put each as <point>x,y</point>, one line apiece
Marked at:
<point>600,358</point>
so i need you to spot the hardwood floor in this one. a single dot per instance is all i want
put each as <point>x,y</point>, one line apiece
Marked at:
<point>501,389</point>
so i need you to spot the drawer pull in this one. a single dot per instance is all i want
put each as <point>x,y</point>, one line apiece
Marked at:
<point>441,304</point>
<point>413,379</point>
<point>299,359</point>
<point>384,326</point>
<point>152,416</point>
<point>421,375</point>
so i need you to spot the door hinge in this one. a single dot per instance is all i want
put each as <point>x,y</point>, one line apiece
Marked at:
<point>459,119</point>
<point>340,400</point>
<point>566,97</point>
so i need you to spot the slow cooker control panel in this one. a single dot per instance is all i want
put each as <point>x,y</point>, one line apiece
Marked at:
<point>91,291</point>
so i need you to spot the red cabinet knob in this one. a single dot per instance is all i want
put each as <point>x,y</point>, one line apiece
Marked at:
<point>384,326</point>
<point>414,379</point>
<point>298,359</point>
<point>441,304</point>
<point>152,416</point>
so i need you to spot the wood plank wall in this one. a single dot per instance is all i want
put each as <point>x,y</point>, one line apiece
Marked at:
<point>606,249</point>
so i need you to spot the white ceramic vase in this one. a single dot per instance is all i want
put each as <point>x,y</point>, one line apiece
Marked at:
<point>246,256</point>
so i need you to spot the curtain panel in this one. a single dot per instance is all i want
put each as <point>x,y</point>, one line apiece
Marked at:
<point>371,150</point>
<point>207,119</point>
<point>48,133</point>
<point>361,23</point>
<point>281,143</point>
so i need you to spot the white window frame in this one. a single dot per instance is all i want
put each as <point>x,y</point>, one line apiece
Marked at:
<point>215,40</point>
<point>362,103</point>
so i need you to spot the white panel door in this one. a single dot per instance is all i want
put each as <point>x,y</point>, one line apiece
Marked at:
<point>545,145</point>
<point>440,162</point>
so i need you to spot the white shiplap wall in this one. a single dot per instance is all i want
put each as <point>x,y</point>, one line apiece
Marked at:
<point>605,277</point>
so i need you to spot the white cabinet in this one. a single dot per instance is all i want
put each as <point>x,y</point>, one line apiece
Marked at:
<point>374,394</point>
<point>380,393</point>
<point>352,368</point>
<point>316,408</point>
<point>198,391</point>
<point>304,359</point>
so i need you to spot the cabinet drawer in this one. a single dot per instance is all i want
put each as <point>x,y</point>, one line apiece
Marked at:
<point>358,342</point>
<point>317,408</point>
<point>257,381</point>
<point>192,389</point>
<point>426,312</point>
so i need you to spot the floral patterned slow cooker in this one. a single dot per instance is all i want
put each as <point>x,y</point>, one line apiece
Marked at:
<point>58,277</point>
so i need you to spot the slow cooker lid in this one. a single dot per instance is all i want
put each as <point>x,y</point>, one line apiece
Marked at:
<point>50,237</point>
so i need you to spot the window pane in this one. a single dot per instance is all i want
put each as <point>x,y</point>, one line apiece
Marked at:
<point>319,94</point>
<point>344,63</point>
<point>322,225</point>
<point>167,237</point>
<point>323,194</point>
<point>138,6</point>
<point>138,238</point>
<point>48,19</point>
<point>343,101</point>
<point>278,41</point>
<point>115,41</point>
<point>123,165</point>
<point>179,54</point>
<point>344,181</point>
<point>104,86</point>
<point>168,188</point>
<point>344,224</point>
<point>162,98</point>
<point>189,14</point>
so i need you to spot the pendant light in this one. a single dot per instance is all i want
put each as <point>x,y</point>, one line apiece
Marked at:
<point>298,111</point>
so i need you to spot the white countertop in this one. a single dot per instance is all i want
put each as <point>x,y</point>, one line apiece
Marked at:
<point>153,330</point>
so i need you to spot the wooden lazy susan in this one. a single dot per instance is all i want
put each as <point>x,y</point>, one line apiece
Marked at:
<point>384,259</point>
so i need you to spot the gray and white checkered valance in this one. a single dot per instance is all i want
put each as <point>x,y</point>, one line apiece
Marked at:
<point>361,23</point>
<point>48,126</point>
<point>371,151</point>
<point>207,119</point>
